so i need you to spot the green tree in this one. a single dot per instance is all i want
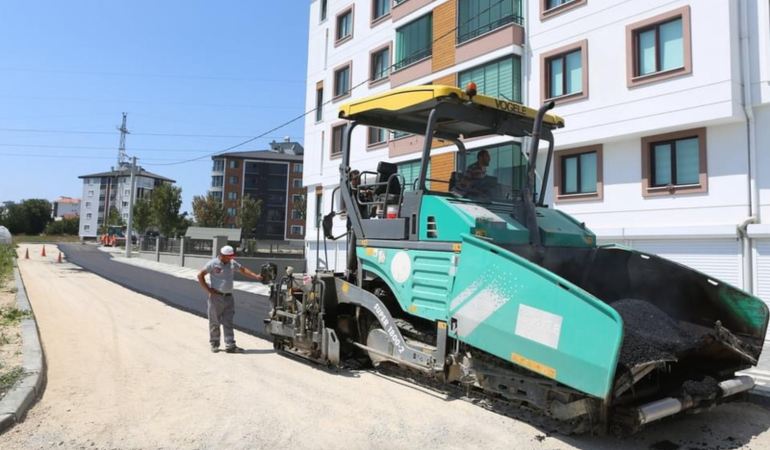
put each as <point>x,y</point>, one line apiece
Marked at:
<point>142,215</point>
<point>28,217</point>
<point>64,227</point>
<point>249,214</point>
<point>301,206</point>
<point>164,206</point>
<point>113,219</point>
<point>209,211</point>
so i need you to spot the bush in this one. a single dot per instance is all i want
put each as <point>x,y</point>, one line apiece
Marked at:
<point>64,227</point>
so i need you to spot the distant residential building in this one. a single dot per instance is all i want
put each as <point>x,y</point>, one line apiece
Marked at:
<point>273,176</point>
<point>65,208</point>
<point>102,191</point>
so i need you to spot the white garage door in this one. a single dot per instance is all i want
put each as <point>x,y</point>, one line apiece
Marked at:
<point>763,270</point>
<point>719,258</point>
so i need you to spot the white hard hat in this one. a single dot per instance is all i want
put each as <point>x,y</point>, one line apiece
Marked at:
<point>227,251</point>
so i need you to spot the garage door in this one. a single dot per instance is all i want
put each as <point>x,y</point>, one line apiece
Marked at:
<point>719,258</point>
<point>763,270</point>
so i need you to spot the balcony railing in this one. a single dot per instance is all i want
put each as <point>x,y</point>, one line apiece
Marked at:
<point>507,20</point>
<point>413,58</point>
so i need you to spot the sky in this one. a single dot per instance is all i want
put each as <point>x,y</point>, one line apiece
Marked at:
<point>195,77</point>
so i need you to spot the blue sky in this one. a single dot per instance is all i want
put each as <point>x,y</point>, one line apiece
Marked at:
<point>228,69</point>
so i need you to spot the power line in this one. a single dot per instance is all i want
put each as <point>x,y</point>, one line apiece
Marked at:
<point>147,102</point>
<point>29,155</point>
<point>139,75</point>
<point>329,101</point>
<point>111,133</point>
<point>133,150</point>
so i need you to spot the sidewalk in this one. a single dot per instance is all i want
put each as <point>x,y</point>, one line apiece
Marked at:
<point>118,255</point>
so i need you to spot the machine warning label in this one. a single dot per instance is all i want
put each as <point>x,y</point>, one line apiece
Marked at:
<point>539,326</point>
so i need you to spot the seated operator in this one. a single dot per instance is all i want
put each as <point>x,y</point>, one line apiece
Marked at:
<point>473,178</point>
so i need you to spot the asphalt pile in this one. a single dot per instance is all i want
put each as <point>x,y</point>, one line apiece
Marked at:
<point>650,334</point>
<point>705,387</point>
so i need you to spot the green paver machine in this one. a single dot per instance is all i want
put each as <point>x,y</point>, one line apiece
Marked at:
<point>477,283</point>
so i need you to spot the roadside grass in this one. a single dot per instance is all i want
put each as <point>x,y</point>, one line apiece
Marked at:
<point>43,239</point>
<point>10,379</point>
<point>12,316</point>
<point>7,253</point>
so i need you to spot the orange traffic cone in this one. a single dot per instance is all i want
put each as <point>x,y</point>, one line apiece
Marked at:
<point>43,252</point>
<point>26,256</point>
<point>59,260</point>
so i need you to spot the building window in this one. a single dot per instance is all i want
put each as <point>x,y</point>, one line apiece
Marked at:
<point>296,198</point>
<point>338,133</point>
<point>90,193</point>
<point>477,17</point>
<point>297,168</point>
<point>88,181</point>
<point>501,78</point>
<point>659,47</point>
<point>86,227</point>
<point>566,73</point>
<point>380,9</point>
<point>88,204</point>
<point>297,183</point>
<point>506,163</point>
<point>232,196</point>
<point>578,174</point>
<point>319,102</point>
<point>398,2</point>
<point>414,42</point>
<point>296,229</point>
<point>549,8</point>
<point>379,66</point>
<point>231,212</point>
<point>344,26</point>
<point>296,215</point>
<point>342,81</point>
<point>125,204</point>
<point>88,216</point>
<point>674,163</point>
<point>233,180</point>
<point>233,164</point>
<point>377,136</point>
<point>219,165</point>
<point>411,173</point>
<point>324,4</point>
<point>217,181</point>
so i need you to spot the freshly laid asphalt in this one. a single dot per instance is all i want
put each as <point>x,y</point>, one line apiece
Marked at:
<point>250,309</point>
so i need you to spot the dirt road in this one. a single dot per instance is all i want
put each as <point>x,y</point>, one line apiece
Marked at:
<point>127,372</point>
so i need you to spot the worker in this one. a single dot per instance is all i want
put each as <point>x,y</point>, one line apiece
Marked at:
<point>221,305</point>
<point>477,171</point>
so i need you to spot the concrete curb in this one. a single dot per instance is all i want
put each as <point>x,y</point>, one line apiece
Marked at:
<point>15,404</point>
<point>760,395</point>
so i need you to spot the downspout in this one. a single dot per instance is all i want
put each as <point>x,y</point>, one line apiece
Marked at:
<point>748,266</point>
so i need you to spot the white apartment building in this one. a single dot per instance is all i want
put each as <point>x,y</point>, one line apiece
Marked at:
<point>102,191</point>
<point>667,106</point>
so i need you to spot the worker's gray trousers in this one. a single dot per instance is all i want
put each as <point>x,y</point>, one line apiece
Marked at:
<point>221,312</point>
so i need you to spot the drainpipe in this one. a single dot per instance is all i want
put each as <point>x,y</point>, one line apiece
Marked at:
<point>754,217</point>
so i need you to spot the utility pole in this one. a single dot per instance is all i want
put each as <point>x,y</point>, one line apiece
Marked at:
<point>122,155</point>
<point>130,226</point>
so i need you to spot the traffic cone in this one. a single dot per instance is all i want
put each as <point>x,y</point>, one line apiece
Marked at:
<point>59,260</point>
<point>26,256</point>
<point>43,252</point>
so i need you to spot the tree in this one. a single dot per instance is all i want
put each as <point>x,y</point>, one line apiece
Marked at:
<point>28,217</point>
<point>64,227</point>
<point>142,215</point>
<point>301,206</point>
<point>113,219</point>
<point>165,204</point>
<point>209,211</point>
<point>249,214</point>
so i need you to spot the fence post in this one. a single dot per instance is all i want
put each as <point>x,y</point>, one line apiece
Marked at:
<point>219,242</point>
<point>181,250</point>
<point>157,249</point>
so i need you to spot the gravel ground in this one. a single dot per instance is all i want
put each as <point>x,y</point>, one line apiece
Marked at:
<point>127,372</point>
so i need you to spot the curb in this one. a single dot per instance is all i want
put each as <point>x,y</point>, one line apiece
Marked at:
<point>14,406</point>
<point>760,395</point>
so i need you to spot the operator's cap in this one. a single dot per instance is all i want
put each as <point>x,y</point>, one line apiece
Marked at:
<point>227,251</point>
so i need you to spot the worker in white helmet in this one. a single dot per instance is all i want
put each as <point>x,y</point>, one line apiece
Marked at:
<point>221,305</point>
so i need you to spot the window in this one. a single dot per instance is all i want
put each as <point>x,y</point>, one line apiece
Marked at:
<point>125,204</point>
<point>411,172</point>
<point>88,204</point>
<point>477,17</point>
<point>232,195</point>
<point>344,26</point>
<point>88,181</point>
<point>319,203</point>
<point>90,193</point>
<point>377,136</point>
<point>659,47</point>
<point>674,162</point>
<point>233,164</point>
<point>319,102</point>
<point>506,163</point>
<point>380,9</point>
<point>324,4</point>
<point>338,134</point>
<point>125,216</point>
<point>86,227</point>
<point>297,183</point>
<point>549,8</point>
<point>296,229</point>
<point>578,174</point>
<point>414,42</point>
<point>296,215</point>
<point>501,78</point>
<point>342,81</point>
<point>398,2</point>
<point>233,180</point>
<point>219,165</point>
<point>565,73</point>
<point>217,195</point>
<point>296,198</point>
<point>297,168</point>
<point>231,212</point>
<point>379,67</point>
<point>217,181</point>
<point>88,216</point>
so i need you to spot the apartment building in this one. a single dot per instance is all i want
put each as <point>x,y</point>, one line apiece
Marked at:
<point>273,176</point>
<point>65,208</point>
<point>102,191</point>
<point>667,139</point>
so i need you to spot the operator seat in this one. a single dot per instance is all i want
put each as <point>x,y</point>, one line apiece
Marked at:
<point>388,183</point>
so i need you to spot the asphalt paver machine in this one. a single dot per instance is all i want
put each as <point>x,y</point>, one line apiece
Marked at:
<point>477,284</point>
